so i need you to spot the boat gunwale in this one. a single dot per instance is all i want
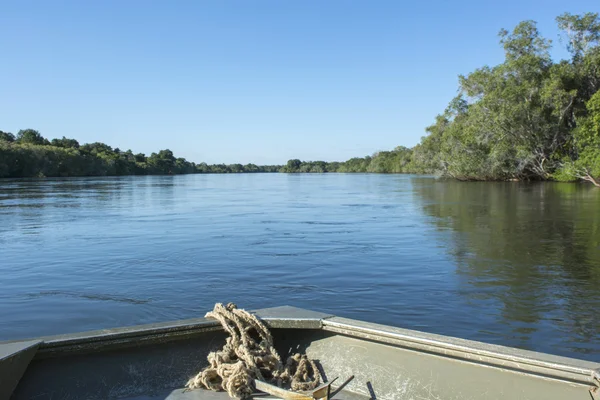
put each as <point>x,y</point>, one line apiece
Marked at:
<point>525,361</point>
<point>171,330</point>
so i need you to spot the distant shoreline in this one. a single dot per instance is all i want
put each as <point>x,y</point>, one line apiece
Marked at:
<point>49,159</point>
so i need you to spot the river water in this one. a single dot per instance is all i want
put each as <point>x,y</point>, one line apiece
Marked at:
<point>506,263</point>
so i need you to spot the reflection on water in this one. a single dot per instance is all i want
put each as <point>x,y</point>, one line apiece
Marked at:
<point>507,263</point>
<point>530,250</point>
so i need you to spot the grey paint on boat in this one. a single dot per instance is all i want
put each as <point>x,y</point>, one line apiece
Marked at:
<point>154,362</point>
<point>14,359</point>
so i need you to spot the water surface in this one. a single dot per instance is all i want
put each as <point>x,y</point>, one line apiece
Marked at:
<point>507,263</point>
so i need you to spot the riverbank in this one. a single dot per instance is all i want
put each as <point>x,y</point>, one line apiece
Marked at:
<point>49,159</point>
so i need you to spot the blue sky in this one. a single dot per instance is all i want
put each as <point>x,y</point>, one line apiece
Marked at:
<point>248,81</point>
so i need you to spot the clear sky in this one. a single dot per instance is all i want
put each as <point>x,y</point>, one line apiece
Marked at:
<point>248,81</point>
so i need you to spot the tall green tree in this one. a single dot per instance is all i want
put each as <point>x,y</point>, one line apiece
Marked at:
<point>162,162</point>
<point>6,137</point>
<point>587,143</point>
<point>65,143</point>
<point>30,136</point>
<point>520,119</point>
<point>292,166</point>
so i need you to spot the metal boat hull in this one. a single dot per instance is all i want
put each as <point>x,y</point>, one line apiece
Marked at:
<point>154,361</point>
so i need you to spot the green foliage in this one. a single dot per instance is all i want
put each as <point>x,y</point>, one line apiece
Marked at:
<point>30,155</point>
<point>65,143</point>
<point>528,118</point>
<point>395,161</point>
<point>587,144</point>
<point>524,119</point>
<point>292,166</point>
<point>581,32</point>
<point>6,137</point>
<point>355,165</point>
<point>385,162</point>
<point>566,172</point>
<point>30,136</point>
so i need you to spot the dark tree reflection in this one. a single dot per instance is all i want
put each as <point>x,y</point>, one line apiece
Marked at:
<point>535,248</point>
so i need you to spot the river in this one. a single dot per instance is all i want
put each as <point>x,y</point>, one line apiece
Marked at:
<point>507,263</point>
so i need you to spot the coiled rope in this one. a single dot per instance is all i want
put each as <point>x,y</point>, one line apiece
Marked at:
<point>248,354</point>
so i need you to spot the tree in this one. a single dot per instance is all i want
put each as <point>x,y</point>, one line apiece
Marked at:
<point>65,143</point>
<point>505,126</point>
<point>96,148</point>
<point>426,155</point>
<point>33,156</point>
<point>163,162</point>
<point>31,136</point>
<point>236,168</point>
<point>527,118</point>
<point>587,142</point>
<point>293,165</point>
<point>6,137</point>
<point>581,32</point>
<point>519,119</point>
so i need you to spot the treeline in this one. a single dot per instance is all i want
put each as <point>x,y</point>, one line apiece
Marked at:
<point>529,118</point>
<point>29,154</point>
<point>384,162</point>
